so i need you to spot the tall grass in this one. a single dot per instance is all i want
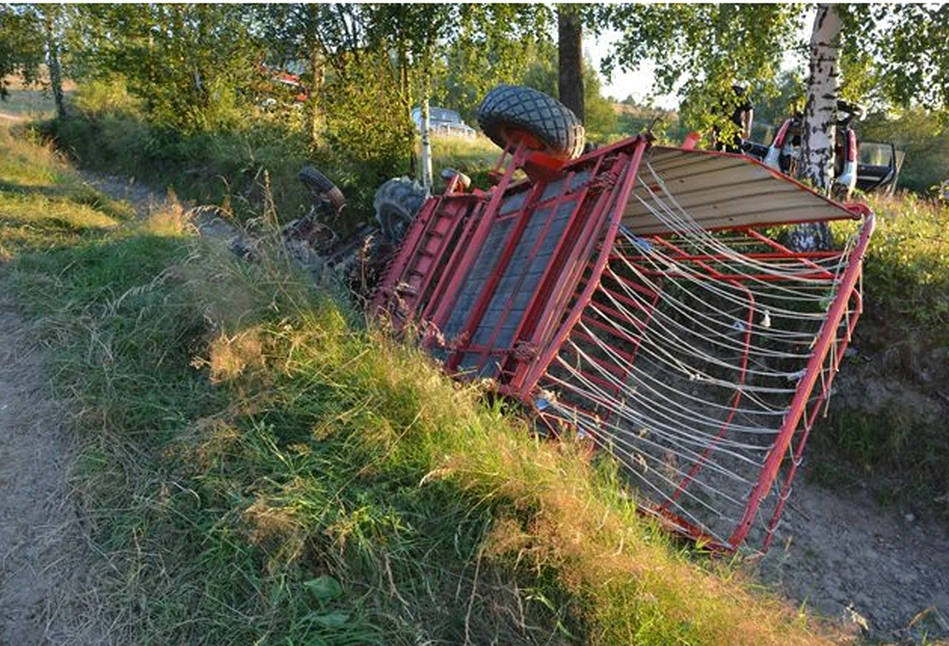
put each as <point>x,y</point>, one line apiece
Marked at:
<point>908,266</point>
<point>259,466</point>
<point>43,203</point>
<point>887,427</point>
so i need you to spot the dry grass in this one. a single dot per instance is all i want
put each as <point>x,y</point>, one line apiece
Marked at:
<point>258,466</point>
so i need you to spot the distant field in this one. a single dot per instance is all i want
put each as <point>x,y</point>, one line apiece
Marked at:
<point>29,101</point>
<point>27,104</point>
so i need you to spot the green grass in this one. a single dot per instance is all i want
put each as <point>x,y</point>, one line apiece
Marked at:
<point>44,204</point>
<point>892,434</point>
<point>908,266</point>
<point>259,466</point>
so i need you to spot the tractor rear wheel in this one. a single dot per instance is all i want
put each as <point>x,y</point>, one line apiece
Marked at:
<point>321,188</point>
<point>513,114</point>
<point>397,202</point>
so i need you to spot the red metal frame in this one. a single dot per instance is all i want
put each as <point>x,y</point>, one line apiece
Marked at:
<point>425,280</point>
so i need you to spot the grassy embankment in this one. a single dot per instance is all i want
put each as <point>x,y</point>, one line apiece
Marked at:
<point>258,466</point>
<point>907,275</point>
<point>888,428</point>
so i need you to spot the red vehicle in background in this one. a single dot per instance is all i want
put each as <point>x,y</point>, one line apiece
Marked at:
<point>282,85</point>
<point>867,166</point>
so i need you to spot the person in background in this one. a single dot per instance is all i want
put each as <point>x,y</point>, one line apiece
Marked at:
<point>742,116</point>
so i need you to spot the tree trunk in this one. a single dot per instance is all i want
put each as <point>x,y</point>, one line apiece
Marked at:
<point>426,147</point>
<point>819,129</point>
<point>570,58</point>
<point>314,111</point>
<point>55,69</point>
<point>819,125</point>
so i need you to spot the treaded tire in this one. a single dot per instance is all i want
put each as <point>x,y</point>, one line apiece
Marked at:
<point>512,114</point>
<point>321,187</point>
<point>396,203</point>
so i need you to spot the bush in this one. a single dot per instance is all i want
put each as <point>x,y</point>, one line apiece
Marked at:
<point>368,131</point>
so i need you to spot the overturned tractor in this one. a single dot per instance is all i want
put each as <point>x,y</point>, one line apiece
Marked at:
<point>638,296</point>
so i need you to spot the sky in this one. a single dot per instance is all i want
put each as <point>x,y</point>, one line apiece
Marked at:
<point>622,84</point>
<point>640,83</point>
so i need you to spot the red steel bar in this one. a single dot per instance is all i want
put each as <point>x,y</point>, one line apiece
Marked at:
<point>814,365</point>
<point>614,213</point>
<point>809,423</point>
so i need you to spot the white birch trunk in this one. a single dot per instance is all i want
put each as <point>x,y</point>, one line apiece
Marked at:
<point>819,127</point>
<point>819,130</point>
<point>426,149</point>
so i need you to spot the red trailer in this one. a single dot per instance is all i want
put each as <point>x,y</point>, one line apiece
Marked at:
<point>639,296</point>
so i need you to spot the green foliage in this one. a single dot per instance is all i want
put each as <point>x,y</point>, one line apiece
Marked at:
<point>712,46</point>
<point>22,44</point>
<point>186,63</point>
<point>231,169</point>
<point>907,267</point>
<point>495,43</point>
<point>107,97</point>
<point>917,133</point>
<point>899,51</point>
<point>368,130</point>
<point>600,119</point>
<point>774,104</point>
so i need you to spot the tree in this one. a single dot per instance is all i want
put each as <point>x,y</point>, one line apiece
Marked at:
<point>908,43</point>
<point>306,32</point>
<point>570,57</point>
<point>819,127</point>
<point>22,45</point>
<point>701,50</point>
<point>190,64</point>
<point>52,16</point>
<point>543,74</point>
<point>898,50</point>
<point>894,55</point>
<point>493,43</point>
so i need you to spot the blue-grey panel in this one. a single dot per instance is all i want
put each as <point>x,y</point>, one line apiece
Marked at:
<point>521,278</point>
<point>513,202</point>
<point>486,261</point>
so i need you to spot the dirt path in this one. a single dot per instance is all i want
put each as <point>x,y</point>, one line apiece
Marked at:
<point>143,199</point>
<point>47,591</point>
<point>146,201</point>
<point>847,557</point>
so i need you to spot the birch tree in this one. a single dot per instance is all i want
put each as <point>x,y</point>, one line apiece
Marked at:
<point>819,127</point>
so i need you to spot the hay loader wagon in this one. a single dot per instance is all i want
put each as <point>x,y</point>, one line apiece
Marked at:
<point>639,296</point>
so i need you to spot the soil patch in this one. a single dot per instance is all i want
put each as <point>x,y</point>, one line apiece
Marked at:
<point>880,569</point>
<point>48,591</point>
